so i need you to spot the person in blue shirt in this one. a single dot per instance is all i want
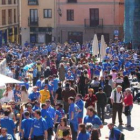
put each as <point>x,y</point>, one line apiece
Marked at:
<point>4,135</point>
<point>8,123</point>
<point>55,83</point>
<point>36,105</point>
<point>50,109</point>
<point>83,135</point>
<point>92,117</point>
<point>34,75</point>
<point>39,127</point>
<point>97,70</point>
<point>73,117</point>
<point>80,104</point>
<point>26,125</point>
<point>39,82</point>
<point>69,76</point>
<point>115,133</point>
<point>26,83</point>
<point>46,116</point>
<point>35,95</point>
<point>17,93</point>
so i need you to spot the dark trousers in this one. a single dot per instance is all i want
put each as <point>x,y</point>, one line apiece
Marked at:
<point>117,107</point>
<point>26,139</point>
<point>34,81</point>
<point>74,133</point>
<point>38,137</point>
<point>101,111</point>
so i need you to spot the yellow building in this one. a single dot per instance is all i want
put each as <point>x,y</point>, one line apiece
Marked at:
<point>9,21</point>
<point>37,21</point>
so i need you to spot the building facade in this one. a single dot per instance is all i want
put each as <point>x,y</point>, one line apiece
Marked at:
<point>9,21</point>
<point>79,20</point>
<point>37,21</point>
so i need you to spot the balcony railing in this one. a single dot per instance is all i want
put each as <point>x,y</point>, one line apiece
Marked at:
<point>33,2</point>
<point>33,22</point>
<point>93,23</point>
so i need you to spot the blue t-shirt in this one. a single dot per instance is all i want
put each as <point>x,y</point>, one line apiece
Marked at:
<point>95,120</point>
<point>117,133</point>
<point>80,104</point>
<point>83,136</point>
<point>15,95</point>
<point>36,108</point>
<point>26,125</point>
<point>55,84</point>
<point>51,111</point>
<point>38,84</point>
<point>26,84</point>
<point>34,96</point>
<point>97,70</point>
<point>8,124</point>
<point>47,117</point>
<point>39,126</point>
<point>59,116</point>
<point>74,108</point>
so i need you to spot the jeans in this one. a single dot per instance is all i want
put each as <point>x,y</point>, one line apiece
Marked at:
<point>129,116</point>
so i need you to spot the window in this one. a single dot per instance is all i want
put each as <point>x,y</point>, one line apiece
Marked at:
<point>14,1</point>
<point>32,2</point>
<point>14,15</point>
<point>33,19</point>
<point>9,16</point>
<point>47,13</point>
<point>9,1</point>
<point>3,2</point>
<point>3,17</point>
<point>70,15</point>
<point>72,1</point>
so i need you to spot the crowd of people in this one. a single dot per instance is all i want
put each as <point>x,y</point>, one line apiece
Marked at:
<point>59,82</point>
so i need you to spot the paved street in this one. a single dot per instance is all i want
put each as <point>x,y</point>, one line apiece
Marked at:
<point>130,133</point>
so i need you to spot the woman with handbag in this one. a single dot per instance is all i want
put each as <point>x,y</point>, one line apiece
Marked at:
<point>90,98</point>
<point>128,102</point>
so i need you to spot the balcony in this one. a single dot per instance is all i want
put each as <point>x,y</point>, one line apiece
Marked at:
<point>95,23</point>
<point>33,2</point>
<point>33,22</point>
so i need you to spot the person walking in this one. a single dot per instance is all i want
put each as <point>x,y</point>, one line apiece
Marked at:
<point>26,125</point>
<point>39,127</point>
<point>73,117</point>
<point>117,100</point>
<point>101,103</point>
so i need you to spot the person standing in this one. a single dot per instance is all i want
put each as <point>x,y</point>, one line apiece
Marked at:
<point>8,123</point>
<point>101,103</point>
<point>117,100</point>
<point>46,116</point>
<point>128,101</point>
<point>39,127</point>
<point>73,117</point>
<point>80,104</point>
<point>26,125</point>
<point>66,93</point>
<point>44,94</point>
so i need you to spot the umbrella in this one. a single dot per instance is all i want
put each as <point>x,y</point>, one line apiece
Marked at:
<point>8,80</point>
<point>103,48</point>
<point>95,47</point>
